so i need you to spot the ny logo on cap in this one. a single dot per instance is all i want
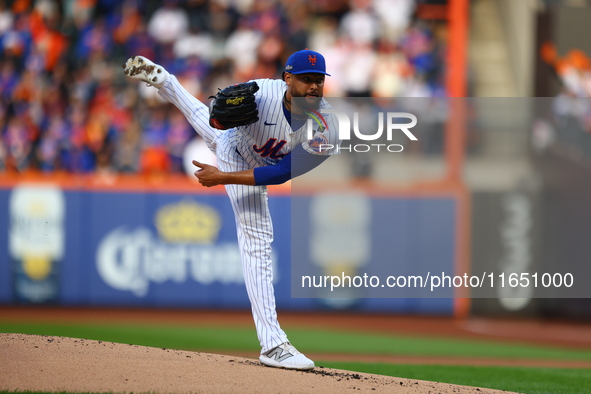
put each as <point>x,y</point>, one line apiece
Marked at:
<point>312,59</point>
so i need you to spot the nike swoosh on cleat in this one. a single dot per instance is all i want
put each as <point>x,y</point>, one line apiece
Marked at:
<point>270,124</point>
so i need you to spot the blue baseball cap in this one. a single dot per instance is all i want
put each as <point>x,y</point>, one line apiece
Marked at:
<point>306,61</point>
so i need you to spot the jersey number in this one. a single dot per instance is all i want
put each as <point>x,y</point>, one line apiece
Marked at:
<point>271,149</point>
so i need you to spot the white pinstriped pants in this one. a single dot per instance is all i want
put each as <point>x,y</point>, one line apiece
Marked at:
<point>251,210</point>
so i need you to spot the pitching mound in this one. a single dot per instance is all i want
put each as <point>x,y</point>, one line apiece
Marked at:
<point>43,363</point>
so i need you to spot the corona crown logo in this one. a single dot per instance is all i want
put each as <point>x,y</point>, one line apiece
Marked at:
<point>188,222</point>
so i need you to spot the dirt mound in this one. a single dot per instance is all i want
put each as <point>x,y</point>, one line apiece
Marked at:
<point>44,363</point>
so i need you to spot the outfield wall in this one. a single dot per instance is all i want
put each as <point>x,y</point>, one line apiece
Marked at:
<point>72,244</point>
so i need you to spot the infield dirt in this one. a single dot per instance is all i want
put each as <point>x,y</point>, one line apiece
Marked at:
<point>44,363</point>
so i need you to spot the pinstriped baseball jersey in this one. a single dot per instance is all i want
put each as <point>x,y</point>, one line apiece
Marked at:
<point>267,141</point>
<point>262,143</point>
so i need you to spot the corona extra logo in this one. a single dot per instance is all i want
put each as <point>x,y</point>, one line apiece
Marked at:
<point>188,222</point>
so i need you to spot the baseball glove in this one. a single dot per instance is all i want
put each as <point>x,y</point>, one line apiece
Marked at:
<point>234,106</point>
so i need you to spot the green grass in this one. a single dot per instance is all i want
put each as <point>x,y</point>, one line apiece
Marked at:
<point>172,337</point>
<point>517,379</point>
<point>343,342</point>
<point>525,380</point>
<point>316,341</point>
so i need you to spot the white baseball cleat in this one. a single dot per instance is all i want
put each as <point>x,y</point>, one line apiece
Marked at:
<point>286,356</point>
<point>139,67</point>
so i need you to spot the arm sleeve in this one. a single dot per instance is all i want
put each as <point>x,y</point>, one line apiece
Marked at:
<point>295,163</point>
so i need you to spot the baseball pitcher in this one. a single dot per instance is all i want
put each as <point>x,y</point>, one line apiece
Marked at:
<point>256,131</point>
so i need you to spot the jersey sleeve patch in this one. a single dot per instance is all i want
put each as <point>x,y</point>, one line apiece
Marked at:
<point>318,144</point>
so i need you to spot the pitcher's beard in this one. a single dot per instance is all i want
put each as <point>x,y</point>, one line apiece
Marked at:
<point>305,104</point>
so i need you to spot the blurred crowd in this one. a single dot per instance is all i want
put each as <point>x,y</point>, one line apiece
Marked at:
<point>66,106</point>
<point>567,116</point>
<point>574,73</point>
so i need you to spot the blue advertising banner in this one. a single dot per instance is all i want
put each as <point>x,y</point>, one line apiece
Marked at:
<point>164,250</point>
<point>351,249</point>
<point>82,247</point>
